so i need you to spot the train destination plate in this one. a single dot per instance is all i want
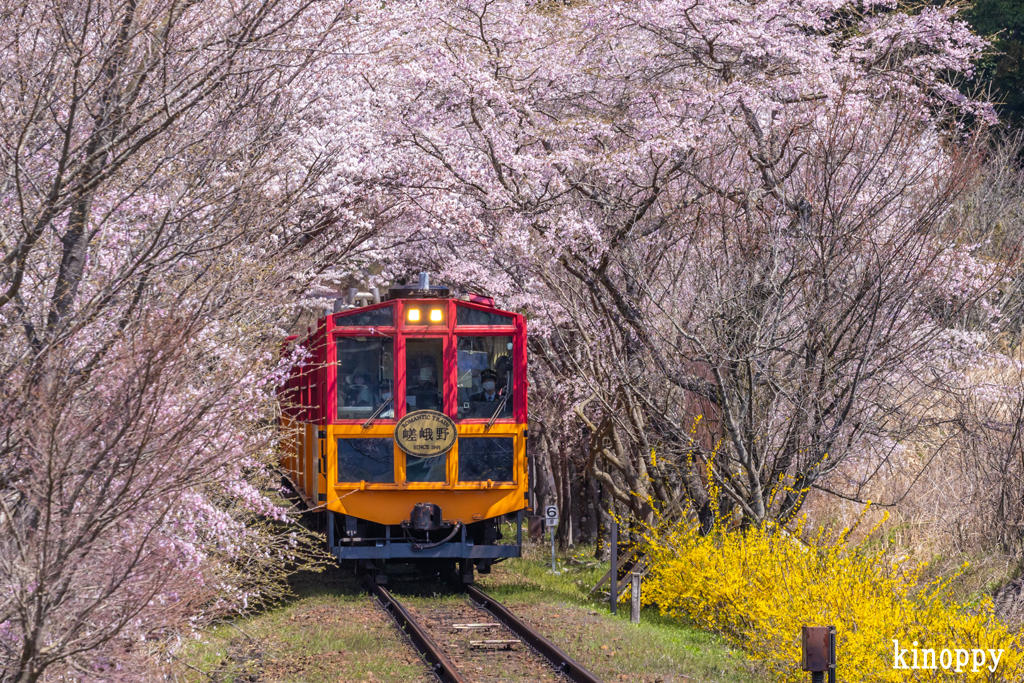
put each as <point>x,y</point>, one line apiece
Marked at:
<point>425,433</point>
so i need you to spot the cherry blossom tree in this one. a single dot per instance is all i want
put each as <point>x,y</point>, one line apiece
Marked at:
<point>733,210</point>
<point>737,211</point>
<point>165,212</point>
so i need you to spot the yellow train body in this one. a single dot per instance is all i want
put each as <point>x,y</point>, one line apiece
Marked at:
<point>462,364</point>
<point>307,456</point>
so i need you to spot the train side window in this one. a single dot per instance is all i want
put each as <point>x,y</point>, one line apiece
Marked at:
<point>423,374</point>
<point>369,460</point>
<point>464,315</point>
<point>483,458</point>
<point>426,469</point>
<point>484,376</point>
<point>365,377</point>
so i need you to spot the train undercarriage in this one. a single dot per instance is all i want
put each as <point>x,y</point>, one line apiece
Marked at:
<point>433,542</point>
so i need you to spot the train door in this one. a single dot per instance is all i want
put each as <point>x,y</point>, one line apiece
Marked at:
<point>426,370</point>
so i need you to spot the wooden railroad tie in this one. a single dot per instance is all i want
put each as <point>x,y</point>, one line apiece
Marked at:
<point>495,644</point>
<point>463,627</point>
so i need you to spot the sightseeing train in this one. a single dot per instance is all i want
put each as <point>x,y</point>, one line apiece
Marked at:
<point>405,427</point>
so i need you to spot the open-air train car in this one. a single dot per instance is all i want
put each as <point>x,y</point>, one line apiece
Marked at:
<point>407,428</point>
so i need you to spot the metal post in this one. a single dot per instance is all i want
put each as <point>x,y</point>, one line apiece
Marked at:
<point>615,565</point>
<point>634,598</point>
<point>553,569</point>
<point>519,530</point>
<point>832,654</point>
<point>330,532</point>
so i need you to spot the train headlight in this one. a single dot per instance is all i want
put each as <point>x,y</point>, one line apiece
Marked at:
<point>435,315</point>
<point>414,315</point>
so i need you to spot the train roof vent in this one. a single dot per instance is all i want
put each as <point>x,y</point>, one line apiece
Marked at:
<point>420,290</point>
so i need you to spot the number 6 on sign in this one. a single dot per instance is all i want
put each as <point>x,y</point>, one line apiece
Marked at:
<point>551,515</point>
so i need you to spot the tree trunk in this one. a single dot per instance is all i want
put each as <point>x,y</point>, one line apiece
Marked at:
<point>604,521</point>
<point>590,519</point>
<point>565,506</point>
<point>547,492</point>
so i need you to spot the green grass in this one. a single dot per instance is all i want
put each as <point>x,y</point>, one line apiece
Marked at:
<point>561,607</point>
<point>332,632</point>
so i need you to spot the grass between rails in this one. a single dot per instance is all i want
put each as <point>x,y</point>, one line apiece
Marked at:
<point>658,650</point>
<point>333,632</point>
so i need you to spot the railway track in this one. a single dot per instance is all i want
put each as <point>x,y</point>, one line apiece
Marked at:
<point>481,641</point>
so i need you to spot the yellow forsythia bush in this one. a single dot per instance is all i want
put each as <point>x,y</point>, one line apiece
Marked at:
<point>759,586</point>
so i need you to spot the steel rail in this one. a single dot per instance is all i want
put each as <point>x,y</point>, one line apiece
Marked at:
<point>442,666</point>
<point>554,654</point>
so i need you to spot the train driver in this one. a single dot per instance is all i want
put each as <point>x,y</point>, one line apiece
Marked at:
<point>489,384</point>
<point>425,394</point>
<point>486,403</point>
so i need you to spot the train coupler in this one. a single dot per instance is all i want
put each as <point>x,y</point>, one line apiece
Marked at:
<point>425,517</point>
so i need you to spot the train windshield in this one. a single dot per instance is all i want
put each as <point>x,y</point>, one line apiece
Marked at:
<point>377,317</point>
<point>369,460</point>
<point>426,469</point>
<point>485,377</point>
<point>473,316</point>
<point>486,458</point>
<point>423,374</point>
<point>365,377</point>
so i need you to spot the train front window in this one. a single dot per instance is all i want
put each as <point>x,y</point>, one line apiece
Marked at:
<point>486,458</point>
<point>485,377</point>
<point>377,317</point>
<point>423,388</point>
<point>369,460</point>
<point>426,469</point>
<point>365,377</point>
<point>465,315</point>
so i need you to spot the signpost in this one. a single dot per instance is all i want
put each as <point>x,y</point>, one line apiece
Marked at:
<point>551,515</point>
<point>614,597</point>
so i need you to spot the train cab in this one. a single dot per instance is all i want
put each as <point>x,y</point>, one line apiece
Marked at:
<point>406,425</point>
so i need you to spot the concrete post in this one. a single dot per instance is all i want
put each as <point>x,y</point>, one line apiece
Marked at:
<point>634,597</point>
